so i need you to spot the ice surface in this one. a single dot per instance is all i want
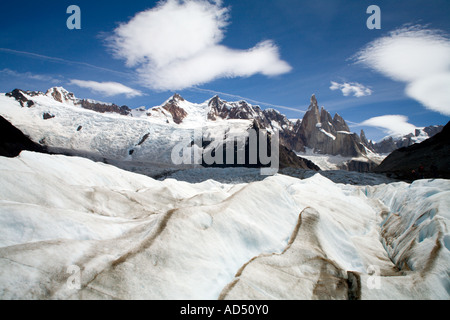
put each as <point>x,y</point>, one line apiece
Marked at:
<point>277,237</point>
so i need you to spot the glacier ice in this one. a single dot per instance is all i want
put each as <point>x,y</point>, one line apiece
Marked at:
<point>278,237</point>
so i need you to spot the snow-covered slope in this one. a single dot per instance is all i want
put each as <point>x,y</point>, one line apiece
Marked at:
<point>140,143</point>
<point>133,237</point>
<point>338,162</point>
<point>99,130</point>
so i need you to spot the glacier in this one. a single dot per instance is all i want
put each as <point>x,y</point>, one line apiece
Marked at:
<point>138,143</point>
<point>277,237</point>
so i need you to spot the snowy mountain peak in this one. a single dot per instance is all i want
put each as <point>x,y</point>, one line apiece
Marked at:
<point>61,90</point>
<point>62,95</point>
<point>177,97</point>
<point>173,107</point>
<point>217,102</point>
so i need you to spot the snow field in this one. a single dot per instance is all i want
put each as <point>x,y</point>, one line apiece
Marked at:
<point>134,237</point>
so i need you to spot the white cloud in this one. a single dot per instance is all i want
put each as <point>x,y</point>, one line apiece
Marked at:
<point>347,88</point>
<point>432,91</point>
<point>417,56</point>
<point>176,45</point>
<point>107,88</point>
<point>396,125</point>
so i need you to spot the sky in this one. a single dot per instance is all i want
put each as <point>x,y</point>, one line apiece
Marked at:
<point>275,54</point>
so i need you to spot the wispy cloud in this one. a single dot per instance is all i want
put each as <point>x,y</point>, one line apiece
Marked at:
<point>107,89</point>
<point>176,45</point>
<point>30,75</point>
<point>351,88</point>
<point>63,61</point>
<point>418,57</point>
<point>396,125</point>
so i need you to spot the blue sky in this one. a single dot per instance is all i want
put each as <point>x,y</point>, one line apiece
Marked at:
<point>272,53</point>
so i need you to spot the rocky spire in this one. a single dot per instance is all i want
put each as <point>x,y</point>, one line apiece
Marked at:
<point>314,104</point>
<point>340,124</point>
<point>363,138</point>
<point>327,135</point>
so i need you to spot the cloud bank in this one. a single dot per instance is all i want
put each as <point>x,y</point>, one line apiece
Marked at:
<point>347,88</point>
<point>176,45</point>
<point>395,125</point>
<point>417,56</point>
<point>107,89</point>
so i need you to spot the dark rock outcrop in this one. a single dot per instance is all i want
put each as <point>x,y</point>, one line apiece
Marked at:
<point>289,159</point>
<point>104,107</point>
<point>145,137</point>
<point>63,96</point>
<point>13,141</point>
<point>21,98</point>
<point>429,159</point>
<point>47,116</point>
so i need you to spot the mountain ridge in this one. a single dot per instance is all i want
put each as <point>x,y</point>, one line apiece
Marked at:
<point>139,140</point>
<point>317,131</point>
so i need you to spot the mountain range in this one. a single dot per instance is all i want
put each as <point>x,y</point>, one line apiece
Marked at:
<point>134,138</point>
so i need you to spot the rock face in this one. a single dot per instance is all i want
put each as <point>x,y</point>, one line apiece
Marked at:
<point>328,135</point>
<point>104,107</point>
<point>13,141</point>
<point>289,159</point>
<point>428,159</point>
<point>178,113</point>
<point>21,98</point>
